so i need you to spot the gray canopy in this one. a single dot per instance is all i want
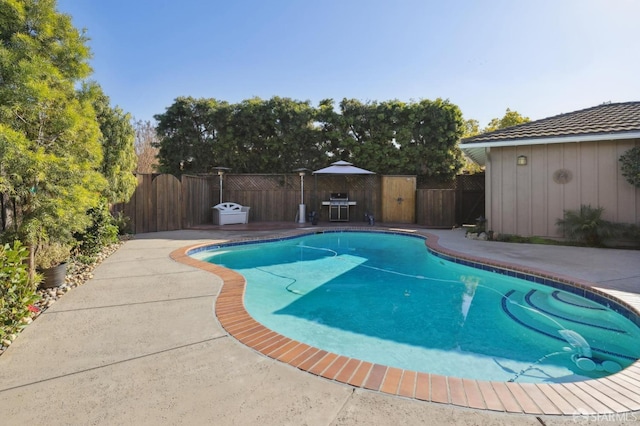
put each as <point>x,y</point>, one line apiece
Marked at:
<point>343,168</point>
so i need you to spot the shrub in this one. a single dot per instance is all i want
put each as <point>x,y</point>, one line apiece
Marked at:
<point>627,235</point>
<point>632,232</point>
<point>631,166</point>
<point>586,225</point>
<point>51,254</point>
<point>101,232</point>
<point>511,238</point>
<point>123,223</point>
<point>16,293</point>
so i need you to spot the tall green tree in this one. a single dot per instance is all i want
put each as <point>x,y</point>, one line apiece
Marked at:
<point>49,138</point>
<point>299,143</point>
<point>471,128</point>
<point>252,126</point>
<point>369,134</point>
<point>510,118</point>
<point>117,140</point>
<point>275,135</point>
<point>430,148</point>
<point>280,134</point>
<point>394,137</point>
<point>330,126</point>
<point>253,136</point>
<point>192,136</point>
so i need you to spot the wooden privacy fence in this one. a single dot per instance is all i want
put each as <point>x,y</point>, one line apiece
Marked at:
<point>164,202</point>
<point>436,207</point>
<point>470,198</point>
<point>457,202</point>
<point>156,205</point>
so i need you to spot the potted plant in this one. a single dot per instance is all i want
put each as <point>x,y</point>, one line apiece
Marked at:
<point>51,260</point>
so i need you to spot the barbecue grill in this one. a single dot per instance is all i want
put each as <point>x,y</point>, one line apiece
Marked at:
<point>339,206</point>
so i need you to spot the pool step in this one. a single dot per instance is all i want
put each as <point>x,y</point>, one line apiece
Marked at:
<point>568,301</point>
<point>571,310</point>
<point>535,311</point>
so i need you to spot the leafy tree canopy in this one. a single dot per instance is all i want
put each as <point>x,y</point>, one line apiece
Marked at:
<point>281,134</point>
<point>193,135</point>
<point>57,143</point>
<point>117,140</point>
<point>510,118</point>
<point>472,128</point>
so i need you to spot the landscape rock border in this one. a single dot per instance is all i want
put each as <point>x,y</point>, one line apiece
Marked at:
<point>77,274</point>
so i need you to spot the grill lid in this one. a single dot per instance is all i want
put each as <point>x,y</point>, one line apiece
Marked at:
<point>339,196</point>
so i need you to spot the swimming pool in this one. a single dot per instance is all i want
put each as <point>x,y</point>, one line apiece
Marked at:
<point>382,298</point>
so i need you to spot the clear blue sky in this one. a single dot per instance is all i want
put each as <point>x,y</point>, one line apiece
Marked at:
<point>538,57</point>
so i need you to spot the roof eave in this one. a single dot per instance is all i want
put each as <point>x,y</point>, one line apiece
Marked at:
<point>477,151</point>
<point>478,155</point>
<point>555,139</point>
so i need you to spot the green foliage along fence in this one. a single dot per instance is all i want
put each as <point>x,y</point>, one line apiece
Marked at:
<point>281,134</point>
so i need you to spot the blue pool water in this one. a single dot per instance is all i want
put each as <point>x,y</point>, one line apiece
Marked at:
<point>383,298</point>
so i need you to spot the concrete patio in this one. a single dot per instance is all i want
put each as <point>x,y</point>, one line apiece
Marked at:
<point>140,344</point>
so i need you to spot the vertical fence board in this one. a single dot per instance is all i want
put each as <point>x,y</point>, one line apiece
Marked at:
<point>160,204</point>
<point>175,204</point>
<point>144,222</point>
<point>168,203</point>
<point>436,207</point>
<point>199,195</point>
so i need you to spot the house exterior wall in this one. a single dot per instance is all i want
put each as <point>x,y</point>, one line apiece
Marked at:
<point>526,200</point>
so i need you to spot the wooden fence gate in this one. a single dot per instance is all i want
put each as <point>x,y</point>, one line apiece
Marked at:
<point>445,204</point>
<point>156,204</point>
<point>469,198</point>
<point>164,203</point>
<point>436,207</point>
<point>399,199</point>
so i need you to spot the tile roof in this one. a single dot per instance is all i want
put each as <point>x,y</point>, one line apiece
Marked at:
<point>605,119</point>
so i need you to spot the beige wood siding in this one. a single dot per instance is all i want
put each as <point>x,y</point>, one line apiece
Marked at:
<point>526,200</point>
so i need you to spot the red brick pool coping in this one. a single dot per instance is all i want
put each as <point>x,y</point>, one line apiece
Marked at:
<point>614,394</point>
